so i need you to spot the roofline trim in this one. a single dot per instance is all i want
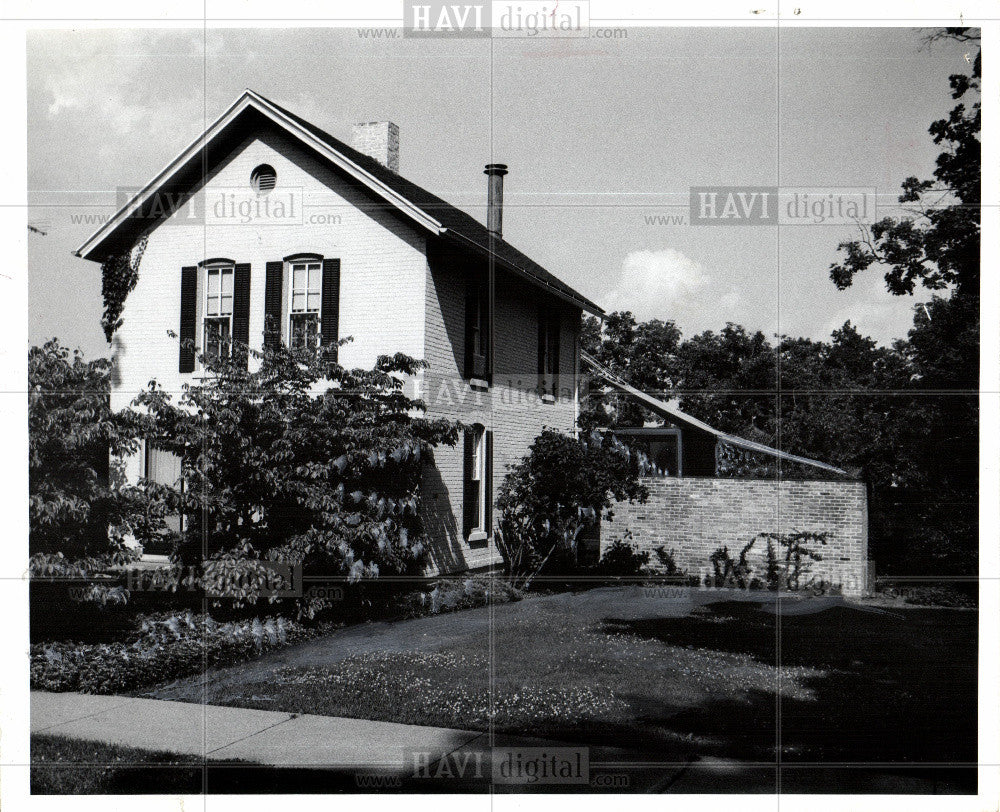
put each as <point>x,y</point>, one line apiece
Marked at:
<point>246,100</point>
<point>673,413</point>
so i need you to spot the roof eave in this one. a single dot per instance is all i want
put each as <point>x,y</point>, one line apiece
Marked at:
<point>246,100</point>
<point>579,301</point>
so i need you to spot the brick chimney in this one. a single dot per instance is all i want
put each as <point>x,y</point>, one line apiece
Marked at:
<point>379,140</point>
<point>494,198</point>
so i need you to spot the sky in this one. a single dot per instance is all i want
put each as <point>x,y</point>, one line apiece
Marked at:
<point>602,138</point>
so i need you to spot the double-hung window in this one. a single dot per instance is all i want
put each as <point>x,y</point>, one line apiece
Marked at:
<point>477,506</point>
<point>218,310</point>
<point>479,477</point>
<point>306,304</point>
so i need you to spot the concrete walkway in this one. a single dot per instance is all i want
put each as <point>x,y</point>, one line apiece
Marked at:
<point>229,734</point>
<point>404,757</point>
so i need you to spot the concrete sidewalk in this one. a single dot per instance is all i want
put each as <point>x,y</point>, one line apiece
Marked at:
<point>227,734</point>
<point>409,754</point>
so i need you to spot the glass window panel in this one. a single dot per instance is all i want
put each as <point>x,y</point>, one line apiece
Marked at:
<point>227,304</point>
<point>315,277</point>
<point>213,307</point>
<point>213,283</point>
<point>298,301</point>
<point>227,283</point>
<point>216,336</point>
<point>314,301</point>
<point>298,277</point>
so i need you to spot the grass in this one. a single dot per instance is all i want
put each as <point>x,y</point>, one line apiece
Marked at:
<point>61,766</point>
<point>853,684</point>
<point>849,683</point>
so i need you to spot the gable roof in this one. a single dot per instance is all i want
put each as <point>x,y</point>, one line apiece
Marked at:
<point>425,209</point>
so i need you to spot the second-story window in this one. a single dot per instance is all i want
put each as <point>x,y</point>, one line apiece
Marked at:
<point>306,301</point>
<point>548,351</point>
<point>477,332</point>
<point>218,310</point>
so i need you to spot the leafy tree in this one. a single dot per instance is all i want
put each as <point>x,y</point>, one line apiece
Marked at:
<point>938,246</point>
<point>299,461</point>
<point>562,486</point>
<point>930,507</point>
<point>80,509</point>
<point>643,352</point>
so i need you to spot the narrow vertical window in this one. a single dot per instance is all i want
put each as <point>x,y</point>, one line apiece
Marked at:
<point>477,332</point>
<point>477,500</point>
<point>479,476</point>
<point>306,304</point>
<point>218,310</point>
<point>548,351</point>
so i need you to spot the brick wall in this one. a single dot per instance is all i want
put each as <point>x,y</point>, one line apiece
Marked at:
<point>383,268</point>
<point>694,516</point>
<point>391,300</point>
<point>512,408</point>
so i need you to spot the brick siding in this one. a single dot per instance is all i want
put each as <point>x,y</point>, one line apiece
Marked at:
<point>692,517</point>
<point>512,408</point>
<point>391,300</point>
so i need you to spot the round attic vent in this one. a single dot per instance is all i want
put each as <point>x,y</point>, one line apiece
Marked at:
<point>263,179</point>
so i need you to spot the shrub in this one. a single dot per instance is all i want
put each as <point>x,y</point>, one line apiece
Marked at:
<point>786,571</point>
<point>729,573</point>
<point>622,559</point>
<point>788,563</point>
<point>563,485</point>
<point>79,507</point>
<point>668,564</point>
<point>165,647</point>
<point>453,594</point>
<point>300,461</point>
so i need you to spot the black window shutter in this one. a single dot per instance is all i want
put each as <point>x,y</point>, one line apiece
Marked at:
<point>489,484</point>
<point>470,489</point>
<point>330,326</point>
<point>241,312</point>
<point>189,302</point>
<point>273,276</point>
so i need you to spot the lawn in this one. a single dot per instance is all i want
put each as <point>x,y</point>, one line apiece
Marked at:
<point>61,766</point>
<point>678,677</point>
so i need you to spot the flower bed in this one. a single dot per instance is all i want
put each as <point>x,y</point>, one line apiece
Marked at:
<point>166,646</point>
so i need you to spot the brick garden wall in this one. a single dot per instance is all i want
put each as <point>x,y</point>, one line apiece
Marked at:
<point>694,516</point>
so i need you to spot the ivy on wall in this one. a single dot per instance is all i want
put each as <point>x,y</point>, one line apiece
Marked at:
<point>119,273</point>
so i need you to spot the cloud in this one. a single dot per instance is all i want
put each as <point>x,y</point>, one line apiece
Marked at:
<point>669,285</point>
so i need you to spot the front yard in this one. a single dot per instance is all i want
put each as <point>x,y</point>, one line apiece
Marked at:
<point>694,673</point>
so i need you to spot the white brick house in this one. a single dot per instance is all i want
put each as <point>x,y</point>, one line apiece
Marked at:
<point>267,215</point>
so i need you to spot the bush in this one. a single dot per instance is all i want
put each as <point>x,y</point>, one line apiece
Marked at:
<point>454,594</point>
<point>79,507</point>
<point>165,647</point>
<point>667,562</point>
<point>730,573</point>
<point>563,485</point>
<point>300,461</point>
<point>786,571</point>
<point>622,559</point>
